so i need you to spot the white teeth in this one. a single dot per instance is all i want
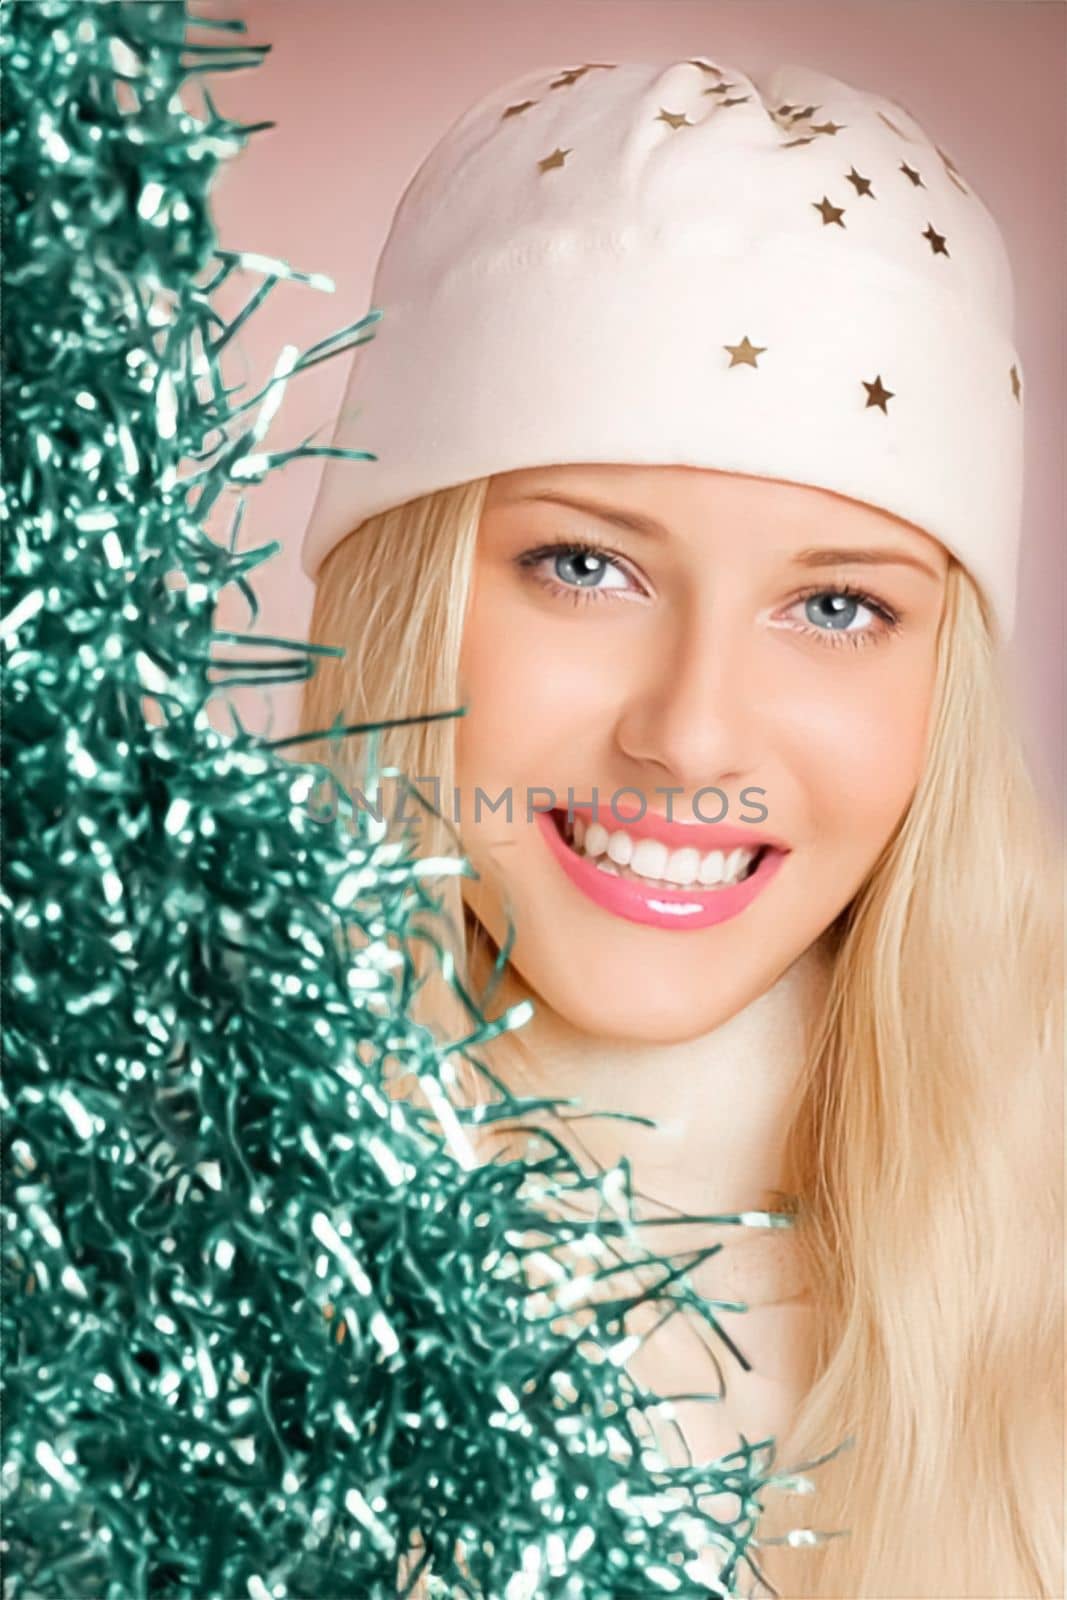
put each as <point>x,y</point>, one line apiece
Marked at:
<point>620,848</point>
<point>596,839</point>
<point>709,872</point>
<point>735,862</point>
<point>652,860</point>
<point>682,866</point>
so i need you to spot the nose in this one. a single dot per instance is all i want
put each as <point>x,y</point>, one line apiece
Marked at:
<point>688,708</point>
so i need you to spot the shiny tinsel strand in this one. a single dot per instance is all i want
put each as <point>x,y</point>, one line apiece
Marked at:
<point>268,1331</point>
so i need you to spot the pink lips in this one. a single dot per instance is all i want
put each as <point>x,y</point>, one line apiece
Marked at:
<point>658,908</point>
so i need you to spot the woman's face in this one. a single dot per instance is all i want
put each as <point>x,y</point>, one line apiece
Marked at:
<point>751,659</point>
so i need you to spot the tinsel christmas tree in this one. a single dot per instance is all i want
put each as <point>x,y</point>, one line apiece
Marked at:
<point>267,1329</point>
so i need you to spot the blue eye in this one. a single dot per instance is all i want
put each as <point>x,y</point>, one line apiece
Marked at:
<point>584,568</point>
<point>831,613</point>
<point>838,610</point>
<point>577,571</point>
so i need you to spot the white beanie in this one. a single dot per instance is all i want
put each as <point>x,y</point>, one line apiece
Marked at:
<point>676,264</point>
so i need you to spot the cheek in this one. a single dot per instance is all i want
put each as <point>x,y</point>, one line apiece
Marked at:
<point>529,688</point>
<point>862,756</point>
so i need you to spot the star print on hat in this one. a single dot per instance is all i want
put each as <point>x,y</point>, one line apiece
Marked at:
<point>682,264</point>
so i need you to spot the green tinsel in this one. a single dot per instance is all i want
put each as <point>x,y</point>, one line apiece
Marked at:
<point>265,1328</point>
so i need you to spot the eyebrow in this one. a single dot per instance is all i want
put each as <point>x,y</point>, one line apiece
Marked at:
<point>815,556</point>
<point>633,520</point>
<point>831,556</point>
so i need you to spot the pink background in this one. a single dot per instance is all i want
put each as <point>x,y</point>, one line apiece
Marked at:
<point>361,89</point>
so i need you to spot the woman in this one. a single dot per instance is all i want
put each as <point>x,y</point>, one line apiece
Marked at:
<point>696,477</point>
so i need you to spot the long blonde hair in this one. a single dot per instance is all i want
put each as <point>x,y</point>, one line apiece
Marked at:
<point>926,1150</point>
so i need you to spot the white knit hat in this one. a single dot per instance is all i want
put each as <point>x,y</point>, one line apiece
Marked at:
<point>676,264</point>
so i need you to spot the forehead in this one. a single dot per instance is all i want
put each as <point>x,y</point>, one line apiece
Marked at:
<point>682,499</point>
<point>666,492</point>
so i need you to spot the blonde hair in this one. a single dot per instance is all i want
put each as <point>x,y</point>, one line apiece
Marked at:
<point>926,1150</point>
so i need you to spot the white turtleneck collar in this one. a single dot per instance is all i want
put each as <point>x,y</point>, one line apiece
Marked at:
<point>721,1102</point>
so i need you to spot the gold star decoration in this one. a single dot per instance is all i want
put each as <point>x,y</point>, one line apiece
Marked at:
<point>744,354</point>
<point>556,159</point>
<point>806,111</point>
<point>572,74</point>
<point>720,88</point>
<point>910,172</point>
<point>523,105</point>
<point>952,170</point>
<point>784,111</point>
<point>898,105</point>
<point>876,394</point>
<point>861,184</point>
<point>809,139</point>
<point>828,127</point>
<point>937,240</point>
<point>1015,384</point>
<point>898,131</point>
<point>705,66</point>
<point>738,101</point>
<point>830,213</point>
<point>677,119</point>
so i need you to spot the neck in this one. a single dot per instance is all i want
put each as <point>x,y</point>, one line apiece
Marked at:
<point>720,1103</point>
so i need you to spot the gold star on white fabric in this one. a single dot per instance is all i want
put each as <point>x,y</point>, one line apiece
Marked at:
<point>828,127</point>
<point>937,240</point>
<point>861,184</point>
<point>830,213</point>
<point>744,354</point>
<point>1015,384</point>
<point>522,105</point>
<point>556,159</point>
<point>876,394</point>
<point>898,131</point>
<point>677,119</point>
<point>952,170</point>
<point>571,75</point>
<point>910,172</point>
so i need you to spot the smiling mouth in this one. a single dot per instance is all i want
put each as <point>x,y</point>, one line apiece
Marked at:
<point>716,870</point>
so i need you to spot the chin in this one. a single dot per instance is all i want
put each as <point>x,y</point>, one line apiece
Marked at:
<point>630,1011</point>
